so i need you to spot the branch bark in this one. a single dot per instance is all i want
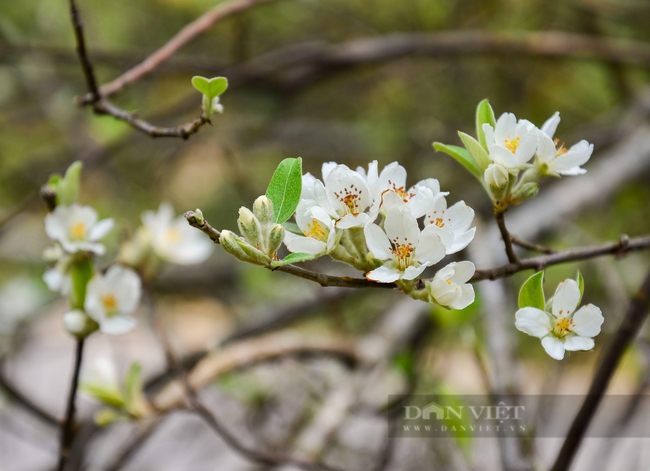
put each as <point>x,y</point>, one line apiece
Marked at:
<point>67,429</point>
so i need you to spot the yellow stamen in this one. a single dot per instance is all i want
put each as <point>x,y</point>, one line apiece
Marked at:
<point>316,230</point>
<point>110,304</point>
<point>173,235</point>
<point>402,253</point>
<point>78,231</point>
<point>512,144</point>
<point>563,327</point>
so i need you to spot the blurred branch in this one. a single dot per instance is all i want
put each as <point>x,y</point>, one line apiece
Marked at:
<point>636,314</point>
<point>125,456</point>
<point>531,246</point>
<point>27,403</point>
<point>67,428</point>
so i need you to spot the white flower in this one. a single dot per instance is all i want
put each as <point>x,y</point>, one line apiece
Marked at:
<point>405,250</point>
<point>76,228</point>
<point>559,159</point>
<point>449,286</point>
<point>496,176</point>
<point>562,329</point>
<point>511,143</point>
<point>389,188</point>
<point>452,224</point>
<point>317,227</point>
<point>112,297</point>
<point>174,240</point>
<point>345,196</point>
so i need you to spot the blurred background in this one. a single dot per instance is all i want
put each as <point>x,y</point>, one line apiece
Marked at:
<point>350,81</point>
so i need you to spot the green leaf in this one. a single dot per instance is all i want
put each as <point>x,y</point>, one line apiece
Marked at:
<point>133,385</point>
<point>581,285</point>
<point>210,87</point>
<point>81,272</point>
<point>476,150</point>
<point>68,186</point>
<point>484,114</point>
<point>285,188</point>
<point>531,293</point>
<point>293,258</point>
<point>461,155</point>
<point>110,397</point>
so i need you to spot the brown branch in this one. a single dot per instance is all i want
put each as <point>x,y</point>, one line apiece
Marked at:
<point>185,35</point>
<point>505,235</point>
<point>67,429</point>
<point>636,314</point>
<point>531,246</point>
<point>124,457</point>
<point>82,52</point>
<point>27,403</point>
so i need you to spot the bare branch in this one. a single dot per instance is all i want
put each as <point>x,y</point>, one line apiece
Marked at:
<point>505,235</point>
<point>27,403</point>
<point>531,246</point>
<point>67,429</point>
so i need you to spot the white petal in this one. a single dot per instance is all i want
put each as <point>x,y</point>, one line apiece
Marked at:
<point>401,227</point>
<point>390,199</point>
<point>117,325</point>
<point>413,272</point>
<point>526,149</point>
<point>503,157</point>
<point>550,126</point>
<point>460,216</point>
<point>488,130</point>
<point>546,150</point>
<point>99,230</point>
<point>567,296</point>
<point>127,287</point>
<point>421,202</point>
<point>393,176</point>
<point>463,271</point>
<point>346,222</point>
<point>575,342</point>
<point>300,244</point>
<point>466,298</point>
<point>53,278</point>
<point>57,223</point>
<point>378,242</point>
<point>461,241</point>
<point>505,128</point>
<point>587,321</point>
<point>384,274</point>
<point>533,322</point>
<point>554,347</point>
<point>578,155</point>
<point>431,248</point>
<point>327,169</point>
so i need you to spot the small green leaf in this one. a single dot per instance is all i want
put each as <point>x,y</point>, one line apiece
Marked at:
<point>459,154</point>
<point>581,285</point>
<point>110,397</point>
<point>133,385</point>
<point>476,150</point>
<point>210,87</point>
<point>202,84</point>
<point>285,188</point>
<point>484,114</point>
<point>68,186</point>
<point>531,293</point>
<point>293,258</point>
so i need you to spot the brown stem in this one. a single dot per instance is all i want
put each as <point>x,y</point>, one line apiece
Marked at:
<point>67,430</point>
<point>531,246</point>
<point>636,314</point>
<point>82,52</point>
<point>27,403</point>
<point>505,235</point>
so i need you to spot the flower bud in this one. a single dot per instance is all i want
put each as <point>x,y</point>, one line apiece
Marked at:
<point>263,209</point>
<point>249,227</point>
<point>496,176</point>
<point>276,235</point>
<point>77,323</point>
<point>254,254</point>
<point>524,192</point>
<point>228,241</point>
<point>198,215</point>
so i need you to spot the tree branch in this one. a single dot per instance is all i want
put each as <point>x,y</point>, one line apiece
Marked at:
<point>531,246</point>
<point>505,235</point>
<point>27,403</point>
<point>67,429</point>
<point>636,314</point>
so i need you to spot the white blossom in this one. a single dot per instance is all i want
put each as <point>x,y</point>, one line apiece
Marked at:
<point>405,250</point>
<point>76,228</point>
<point>558,159</point>
<point>451,223</point>
<point>173,239</point>
<point>317,227</point>
<point>449,286</point>
<point>511,143</point>
<point>111,298</point>
<point>562,328</point>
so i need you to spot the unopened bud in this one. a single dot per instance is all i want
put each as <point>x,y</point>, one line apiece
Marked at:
<point>198,215</point>
<point>524,192</point>
<point>249,227</point>
<point>263,209</point>
<point>496,176</point>
<point>276,235</point>
<point>253,253</point>
<point>228,241</point>
<point>77,323</point>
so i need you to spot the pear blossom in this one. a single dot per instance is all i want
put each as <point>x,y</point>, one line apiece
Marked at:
<point>452,224</point>
<point>317,227</point>
<point>389,188</point>
<point>496,176</point>
<point>449,286</point>
<point>511,143</point>
<point>563,328</point>
<point>77,229</point>
<point>405,250</point>
<point>173,239</point>
<point>558,159</point>
<point>112,297</point>
<point>345,196</point>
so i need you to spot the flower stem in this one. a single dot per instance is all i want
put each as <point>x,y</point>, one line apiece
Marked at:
<point>505,235</point>
<point>67,429</point>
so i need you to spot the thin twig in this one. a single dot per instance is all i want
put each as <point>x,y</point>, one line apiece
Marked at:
<point>82,52</point>
<point>67,429</point>
<point>636,314</point>
<point>126,455</point>
<point>505,235</point>
<point>27,403</point>
<point>531,246</point>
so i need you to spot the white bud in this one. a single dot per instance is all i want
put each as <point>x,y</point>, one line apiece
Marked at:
<point>77,323</point>
<point>263,209</point>
<point>249,227</point>
<point>276,235</point>
<point>496,176</point>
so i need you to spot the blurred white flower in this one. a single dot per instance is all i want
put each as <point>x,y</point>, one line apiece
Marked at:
<point>562,329</point>
<point>317,227</point>
<point>405,250</point>
<point>111,298</point>
<point>451,223</point>
<point>449,286</point>
<point>173,239</point>
<point>76,228</point>
<point>511,143</point>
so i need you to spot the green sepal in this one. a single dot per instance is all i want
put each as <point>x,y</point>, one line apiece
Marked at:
<point>461,155</point>
<point>484,114</point>
<point>293,258</point>
<point>531,293</point>
<point>581,284</point>
<point>476,150</point>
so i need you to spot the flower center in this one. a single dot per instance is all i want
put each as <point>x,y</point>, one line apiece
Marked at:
<point>512,144</point>
<point>110,304</point>
<point>316,230</point>
<point>401,192</point>
<point>403,254</point>
<point>173,235</point>
<point>78,231</point>
<point>439,222</point>
<point>351,198</point>
<point>559,148</point>
<point>563,327</point>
